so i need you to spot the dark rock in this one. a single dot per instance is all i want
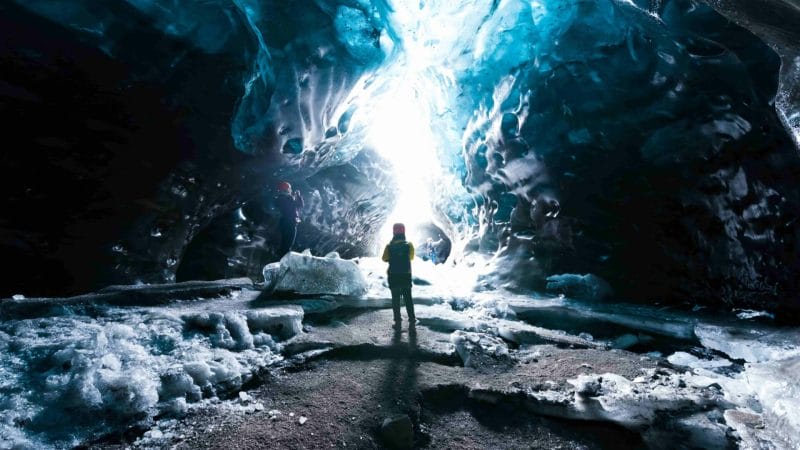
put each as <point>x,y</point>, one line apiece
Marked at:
<point>397,432</point>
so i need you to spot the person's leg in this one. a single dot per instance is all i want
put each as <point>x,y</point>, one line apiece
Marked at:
<point>292,235</point>
<point>396,305</point>
<point>288,235</point>
<point>409,304</point>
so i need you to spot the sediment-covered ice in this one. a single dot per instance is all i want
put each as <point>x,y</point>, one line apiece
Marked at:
<point>637,403</point>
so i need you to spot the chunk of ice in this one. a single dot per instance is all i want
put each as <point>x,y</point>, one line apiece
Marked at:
<point>480,349</point>
<point>633,404</point>
<point>688,360</point>
<point>751,344</point>
<point>310,275</point>
<point>746,314</point>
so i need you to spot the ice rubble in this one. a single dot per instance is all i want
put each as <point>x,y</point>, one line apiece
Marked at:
<point>755,389</point>
<point>611,397</point>
<point>709,405</point>
<point>70,378</point>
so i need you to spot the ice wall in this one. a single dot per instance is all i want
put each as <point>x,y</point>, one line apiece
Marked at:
<point>776,23</point>
<point>633,140</point>
<point>152,122</point>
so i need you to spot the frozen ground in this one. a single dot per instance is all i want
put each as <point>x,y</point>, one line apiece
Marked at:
<point>144,365</point>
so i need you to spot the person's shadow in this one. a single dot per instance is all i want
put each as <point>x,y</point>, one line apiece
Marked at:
<point>399,391</point>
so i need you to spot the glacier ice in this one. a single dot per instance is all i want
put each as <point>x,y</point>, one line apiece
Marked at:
<point>588,286</point>
<point>311,275</point>
<point>532,115</point>
<point>770,376</point>
<point>525,109</point>
<point>750,343</point>
<point>689,360</point>
<point>358,34</point>
<point>615,398</point>
<point>127,364</point>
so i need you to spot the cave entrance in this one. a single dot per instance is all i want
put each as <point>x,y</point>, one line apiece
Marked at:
<point>431,243</point>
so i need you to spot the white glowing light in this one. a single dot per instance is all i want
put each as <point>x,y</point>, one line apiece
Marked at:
<point>401,106</point>
<point>418,86</point>
<point>400,131</point>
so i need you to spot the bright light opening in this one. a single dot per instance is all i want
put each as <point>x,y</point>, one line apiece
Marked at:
<point>400,130</point>
<point>401,107</point>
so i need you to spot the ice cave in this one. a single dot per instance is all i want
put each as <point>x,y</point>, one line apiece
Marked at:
<point>201,197</point>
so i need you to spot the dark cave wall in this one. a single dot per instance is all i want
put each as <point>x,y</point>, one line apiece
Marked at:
<point>90,146</point>
<point>131,138</point>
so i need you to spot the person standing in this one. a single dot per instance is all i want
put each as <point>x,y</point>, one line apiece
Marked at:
<point>289,205</point>
<point>399,253</point>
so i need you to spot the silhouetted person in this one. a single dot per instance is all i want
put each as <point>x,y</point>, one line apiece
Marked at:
<point>289,205</point>
<point>399,253</point>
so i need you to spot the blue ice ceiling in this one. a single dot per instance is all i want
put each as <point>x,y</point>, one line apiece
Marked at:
<point>465,64</point>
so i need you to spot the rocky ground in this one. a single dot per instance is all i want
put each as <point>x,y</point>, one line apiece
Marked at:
<point>225,365</point>
<point>349,372</point>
